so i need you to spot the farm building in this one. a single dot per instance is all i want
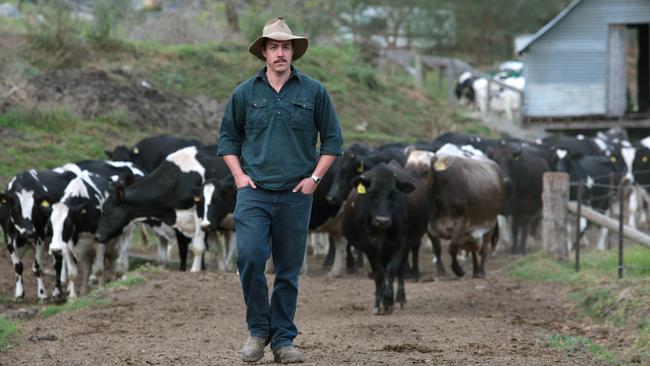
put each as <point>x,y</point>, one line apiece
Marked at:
<point>591,63</point>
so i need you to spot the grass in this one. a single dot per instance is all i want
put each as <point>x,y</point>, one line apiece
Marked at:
<point>581,345</point>
<point>8,333</point>
<point>80,303</point>
<point>44,139</point>
<point>599,296</point>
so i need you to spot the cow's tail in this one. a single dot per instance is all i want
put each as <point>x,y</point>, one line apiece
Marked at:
<point>494,240</point>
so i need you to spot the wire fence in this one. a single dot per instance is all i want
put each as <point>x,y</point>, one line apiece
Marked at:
<point>617,192</point>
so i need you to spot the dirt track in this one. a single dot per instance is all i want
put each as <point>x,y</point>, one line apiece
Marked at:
<point>198,319</point>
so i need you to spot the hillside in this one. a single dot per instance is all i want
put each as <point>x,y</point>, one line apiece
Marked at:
<point>52,112</point>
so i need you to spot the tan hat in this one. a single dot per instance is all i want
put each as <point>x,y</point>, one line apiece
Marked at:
<point>277,29</point>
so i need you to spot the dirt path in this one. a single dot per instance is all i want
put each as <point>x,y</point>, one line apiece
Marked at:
<point>197,319</point>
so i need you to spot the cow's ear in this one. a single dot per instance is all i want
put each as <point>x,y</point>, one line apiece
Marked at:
<point>360,183</point>
<point>197,191</point>
<point>405,186</point>
<point>109,154</point>
<point>129,180</point>
<point>45,206</point>
<point>5,199</point>
<point>80,209</point>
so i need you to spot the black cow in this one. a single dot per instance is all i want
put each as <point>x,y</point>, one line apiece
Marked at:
<point>465,196</point>
<point>385,217</point>
<point>151,151</point>
<point>523,170</point>
<point>26,200</point>
<point>169,188</point>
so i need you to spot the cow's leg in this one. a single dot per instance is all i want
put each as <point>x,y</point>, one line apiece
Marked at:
<point>71,271</point>
<point>98,265</point>
<point>124,247</point>
<point>400,297</point>
<point>331,252</point>
<point>505,228</point>
<point>523,234</point>
<point>86,268</point>
<point>198,246</point>
<point>454,246</point>
<point>395,266</point>
<point>516,225</point>
<point>475,263</point>
<point>16,258</point>
<point>632,207</point>
<point>339,245</point>
<point>414,268</point>
<point>183,244</point>
<point>379,282</point>
<point>36,267</point>
<point>59,266</point>
<point>231,258</point>
<point>350,263</point>
<point>437,252</point>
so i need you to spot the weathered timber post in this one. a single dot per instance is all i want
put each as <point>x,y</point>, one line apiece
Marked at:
<point>419,72</point>
<point>578,217</point>
<point>554,226</point>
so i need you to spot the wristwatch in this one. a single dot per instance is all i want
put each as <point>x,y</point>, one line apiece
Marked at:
<point>316,178</point>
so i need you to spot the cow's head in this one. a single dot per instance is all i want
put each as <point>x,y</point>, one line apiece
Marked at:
<point>120,153</point>
<point>641,166</point>
<point>21,205</point>
<point>381,187</point>
<point>215,200</point>
<point>352,165</point>
<point>419,161</point>
<point>115,214</point>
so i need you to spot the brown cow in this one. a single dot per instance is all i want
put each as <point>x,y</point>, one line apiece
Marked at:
<point>465,196</point>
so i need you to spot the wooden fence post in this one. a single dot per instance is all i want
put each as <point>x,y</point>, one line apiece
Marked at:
<point>419,72</point>
<point>554,199</point>
<point>451,77</point>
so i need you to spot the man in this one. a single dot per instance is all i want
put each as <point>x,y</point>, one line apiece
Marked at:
<point>268,140</point>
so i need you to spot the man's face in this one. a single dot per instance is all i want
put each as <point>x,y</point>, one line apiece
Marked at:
<point>278,55</point>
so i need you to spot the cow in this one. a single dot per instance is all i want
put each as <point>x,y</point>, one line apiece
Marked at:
<point>385,217</point>
<point>74,220</point>
<point>148,153</point>
<point>465,197</point>
<point>523,169</point>
<point>164,194</point>
<point>24,221</point>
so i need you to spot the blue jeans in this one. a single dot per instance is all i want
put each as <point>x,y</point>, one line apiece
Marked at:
<point>271,222</point>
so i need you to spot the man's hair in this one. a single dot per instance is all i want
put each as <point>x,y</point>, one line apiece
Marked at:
<point>263,45</point>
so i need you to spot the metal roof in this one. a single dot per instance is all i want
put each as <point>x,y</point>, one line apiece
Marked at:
<point>549,25</point>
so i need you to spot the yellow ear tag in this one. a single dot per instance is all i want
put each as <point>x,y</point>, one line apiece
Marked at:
<point>360,168</point>
<point>83,211</point>
<point>361,189</point>
<point>197,199</point>
<point>4,200</point>
<point>439,165</point>
<point>45,204</point>
<point>644,159</point>
<point>613,159</point>
<point>136,150</point>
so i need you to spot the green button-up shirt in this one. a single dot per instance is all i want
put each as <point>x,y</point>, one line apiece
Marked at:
<point>275,134</point>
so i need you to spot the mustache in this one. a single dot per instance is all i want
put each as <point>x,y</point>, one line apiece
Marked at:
<point>280,60</point>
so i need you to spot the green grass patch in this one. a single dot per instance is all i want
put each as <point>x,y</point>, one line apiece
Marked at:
<point>84,302</point>
<point>540,267</point>
<point>131,279</point>
<point>581,345</point>
<point>45,139</point>
<point>8,333</point>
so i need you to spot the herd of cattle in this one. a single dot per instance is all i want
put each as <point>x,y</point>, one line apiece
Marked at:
<point>380,201</point>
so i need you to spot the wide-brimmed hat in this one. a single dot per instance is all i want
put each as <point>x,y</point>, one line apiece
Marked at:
<point>277,29</point>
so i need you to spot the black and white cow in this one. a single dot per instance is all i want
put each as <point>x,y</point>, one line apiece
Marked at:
<point>166,194</point>
<point>148,153</point>
<point>385,217</point>
<point>74,220</point>
<point>465,197</point>
<point>25,222</point>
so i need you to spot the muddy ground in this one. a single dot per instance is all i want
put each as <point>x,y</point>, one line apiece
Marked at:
<point>198,319</point>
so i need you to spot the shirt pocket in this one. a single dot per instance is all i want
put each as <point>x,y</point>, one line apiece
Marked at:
<point>257,116</point>
<point>302,116</point>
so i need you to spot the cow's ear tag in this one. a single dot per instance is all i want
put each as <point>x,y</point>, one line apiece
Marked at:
<point>44,203</point>
<point>361,189</point>
<point>360,168</point>
<point>613,159</point>
<point>197,199</point>
<point>440,165</point>
<point>644,159</point>
<point>4,201</point>
<point>136,150</point>
<point>83,211</point>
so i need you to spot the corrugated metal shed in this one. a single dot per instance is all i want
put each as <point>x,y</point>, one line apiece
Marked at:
<point>566,61</point>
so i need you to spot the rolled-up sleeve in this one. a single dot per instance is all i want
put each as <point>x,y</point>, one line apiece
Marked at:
<point>231,133</point>
<point>331,138</point>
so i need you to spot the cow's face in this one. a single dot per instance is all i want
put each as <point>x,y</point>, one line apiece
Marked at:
<point>114,216</point>
<point>62,227</point>
<point>352,165</point>
<point>120,153</point>
<point>641,166</point>
<point>21,206</point>
<point>381,189</point>
<point>217,200</point>
<point>505,157</point>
